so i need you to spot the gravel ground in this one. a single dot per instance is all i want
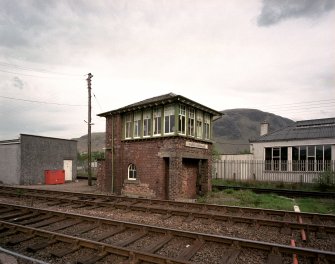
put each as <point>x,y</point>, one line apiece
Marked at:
<point>75,186</point>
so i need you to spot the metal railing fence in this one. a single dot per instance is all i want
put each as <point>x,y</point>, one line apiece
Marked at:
<point>273,171</point>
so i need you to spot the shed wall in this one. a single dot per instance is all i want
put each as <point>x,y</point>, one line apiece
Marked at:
<point>42,153</point>
<point>10,163</point>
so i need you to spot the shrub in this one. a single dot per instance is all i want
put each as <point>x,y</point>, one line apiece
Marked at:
<point>325,180</point>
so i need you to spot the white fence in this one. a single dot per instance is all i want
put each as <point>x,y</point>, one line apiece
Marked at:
<point>272,171</point>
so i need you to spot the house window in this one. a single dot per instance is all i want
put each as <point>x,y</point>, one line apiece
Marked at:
<point>147,124</point>
<point>157,121</point>
<point>128,125</point>
<point>191,119</point>
<point>182,120</point>
<point>137,124</point>
<point>132,172</point>
<point>169,119</point>
<point>311,158</point>
<point>207,121</point>
<point>276,159</point>
<point>199,124</point>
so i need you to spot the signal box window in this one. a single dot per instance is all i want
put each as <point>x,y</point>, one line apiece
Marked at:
<point>132,172</point>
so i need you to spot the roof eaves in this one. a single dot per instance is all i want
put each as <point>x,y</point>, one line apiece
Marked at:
<point>161,100</point>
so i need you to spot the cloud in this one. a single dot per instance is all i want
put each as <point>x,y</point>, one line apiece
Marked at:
<point>18,83</point>
<point>275,11</point>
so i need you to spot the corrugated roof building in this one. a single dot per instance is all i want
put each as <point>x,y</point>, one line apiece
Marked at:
<point>307,146</point>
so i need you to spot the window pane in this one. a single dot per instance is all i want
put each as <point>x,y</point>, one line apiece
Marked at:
<point>199,124</point>
<point>190,125</point>
<point>128,121</point>
<point>276,153</point>
<point>284,153</point>
<point>268,153</point>
<point>295,153</point>
<point>132,172</point>
<point>137,124</point>
<point>207,126</point>
<point>167,124</point>
<point>172,122</point>
<point>303,153</point>
<point>169,119</point>
<point>157,123</point>
<point>311,151</point>
<point>319,153</point>
<point>327,152</point>
<point>147,123</point>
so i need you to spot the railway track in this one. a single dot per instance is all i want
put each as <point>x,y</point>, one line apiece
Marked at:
<point>57,237</point>
<point>165,207</point>
<point>313,231</point>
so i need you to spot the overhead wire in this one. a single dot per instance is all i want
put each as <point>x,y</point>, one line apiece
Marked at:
<point>36,101</point>
<point>23,68</point>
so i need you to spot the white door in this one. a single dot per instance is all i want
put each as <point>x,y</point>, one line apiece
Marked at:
<point>68,170</point>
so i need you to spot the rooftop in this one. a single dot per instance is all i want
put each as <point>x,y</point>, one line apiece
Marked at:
<point>159,101</point>
<point>307,129</point>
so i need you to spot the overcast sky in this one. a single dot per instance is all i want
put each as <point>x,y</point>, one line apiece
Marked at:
<point>273,55</point>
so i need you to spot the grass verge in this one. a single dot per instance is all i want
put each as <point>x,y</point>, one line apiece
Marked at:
<point>268,201</point>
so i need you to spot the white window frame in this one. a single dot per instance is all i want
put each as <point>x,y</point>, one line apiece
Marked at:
<point>147,123</point>
<point>157,122</point>
<point>137,124</point>
<point>199,122</point>
<point>169,118</point>
<point>127,126</point>
<point>132,174</point>
<point>207,126</point>
<point>191,122</point>
<point>182,120</point>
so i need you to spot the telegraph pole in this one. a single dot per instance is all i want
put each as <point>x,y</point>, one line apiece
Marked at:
<point>89,123</point>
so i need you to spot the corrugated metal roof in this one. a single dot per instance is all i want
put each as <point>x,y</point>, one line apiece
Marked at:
<point>308,129</point>
<point>161,100</point>
<point>10,141</point>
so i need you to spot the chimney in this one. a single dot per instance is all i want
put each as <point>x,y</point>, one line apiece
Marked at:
<point>264,128</point>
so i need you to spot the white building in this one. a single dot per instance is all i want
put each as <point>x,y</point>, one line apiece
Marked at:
<point>297,153</point>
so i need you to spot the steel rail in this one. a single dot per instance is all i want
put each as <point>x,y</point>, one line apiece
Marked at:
<point>20,256</point>
<point>270,248</point>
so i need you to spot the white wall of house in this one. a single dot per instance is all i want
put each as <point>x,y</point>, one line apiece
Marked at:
<point>259,154</point>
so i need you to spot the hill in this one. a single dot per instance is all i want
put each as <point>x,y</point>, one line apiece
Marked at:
<point>234,129</point>
<point>97,142</point>
<point>231,132</point>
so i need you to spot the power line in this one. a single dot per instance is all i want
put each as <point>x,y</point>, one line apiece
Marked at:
<point>96,99</point>
<point>35,101</point>
<point>38,76</point>
<point>24,68</point>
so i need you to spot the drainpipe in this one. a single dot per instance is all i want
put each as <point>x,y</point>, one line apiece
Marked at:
<point>112,154</point>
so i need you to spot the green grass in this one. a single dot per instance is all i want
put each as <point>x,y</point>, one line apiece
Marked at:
<point>268,201</point>
<point>323,206</point>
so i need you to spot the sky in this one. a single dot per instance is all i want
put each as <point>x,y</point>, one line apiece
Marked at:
<point>277,56</point>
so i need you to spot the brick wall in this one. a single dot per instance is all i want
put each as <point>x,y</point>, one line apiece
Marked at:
<point>166,167</point>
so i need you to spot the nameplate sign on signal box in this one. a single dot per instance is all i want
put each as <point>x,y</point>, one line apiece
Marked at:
<point>196,145</point>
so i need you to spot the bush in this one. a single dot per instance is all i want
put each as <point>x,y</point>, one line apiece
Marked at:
<point>325,180</point>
